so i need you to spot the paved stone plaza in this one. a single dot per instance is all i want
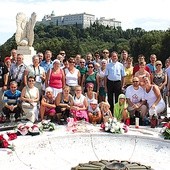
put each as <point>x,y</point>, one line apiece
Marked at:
<point>63,149</point>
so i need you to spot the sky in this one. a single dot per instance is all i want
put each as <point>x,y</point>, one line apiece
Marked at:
<point>145,14</point>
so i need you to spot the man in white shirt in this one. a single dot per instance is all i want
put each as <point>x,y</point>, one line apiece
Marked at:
<point>136,99</point>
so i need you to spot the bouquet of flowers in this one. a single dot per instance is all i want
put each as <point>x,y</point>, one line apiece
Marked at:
<point>28,129</point>
<point>4,138</point>
<point>46,125</point>
<point>71,124</point>
<point>113,126</point>
<point>166,130</point>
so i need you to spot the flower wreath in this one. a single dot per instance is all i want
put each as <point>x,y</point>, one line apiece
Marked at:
<point>113,126</point>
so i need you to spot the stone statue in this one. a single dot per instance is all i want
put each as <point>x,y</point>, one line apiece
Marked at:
<point>25,29</point>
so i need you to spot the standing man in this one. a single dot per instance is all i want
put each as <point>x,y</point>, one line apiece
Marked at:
<point>13,56</point>
<point>63,53</point>
<point>17,71</point>
<point>82,68</point>
<point>141,58</point>
<point>41,56</point>
<point>47,63</point>
<point>114,79</point>
<point>151,65</point>
<point>105,55</point>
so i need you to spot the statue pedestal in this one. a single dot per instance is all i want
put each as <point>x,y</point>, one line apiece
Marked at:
<point>28,53</point>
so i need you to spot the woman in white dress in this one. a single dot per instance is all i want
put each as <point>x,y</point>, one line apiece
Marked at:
<point>30,100</point>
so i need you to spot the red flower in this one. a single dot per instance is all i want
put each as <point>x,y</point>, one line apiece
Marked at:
<point>102,125</point>
<point>167,125</point>
<point>12,136</point>
<point>5,143</point>
<point>1,137</point>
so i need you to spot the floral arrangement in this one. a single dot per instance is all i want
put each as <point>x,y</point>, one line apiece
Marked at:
<point>46,125</point>
<point>4,138</point>
<point>113,126</point>
<point>28,129</point>
<point>71,124</point>
<point>166,130</point>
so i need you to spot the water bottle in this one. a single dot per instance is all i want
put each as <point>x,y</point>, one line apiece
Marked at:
<point>136,122</point>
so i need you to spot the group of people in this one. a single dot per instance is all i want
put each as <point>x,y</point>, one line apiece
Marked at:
<point>93,88</point>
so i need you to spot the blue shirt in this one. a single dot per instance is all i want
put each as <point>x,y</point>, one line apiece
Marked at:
<point>46,65</point>
<point>115,71</point>
<point>11,98</point>
<point>151,67</point>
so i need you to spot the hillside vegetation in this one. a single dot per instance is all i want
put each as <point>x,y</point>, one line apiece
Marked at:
<point>96,38</point>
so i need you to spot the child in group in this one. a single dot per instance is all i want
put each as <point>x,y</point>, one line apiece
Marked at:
<point>94,112</point>
<point>105,111</point>
<point>48,104</point>
<point>120,109</point>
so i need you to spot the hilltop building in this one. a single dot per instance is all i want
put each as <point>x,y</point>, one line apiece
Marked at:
<point>82,20</point>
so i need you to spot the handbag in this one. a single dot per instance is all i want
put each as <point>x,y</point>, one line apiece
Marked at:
<point>27,105</point>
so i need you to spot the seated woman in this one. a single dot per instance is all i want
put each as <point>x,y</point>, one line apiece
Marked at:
<point>90,94</point>
<point>62,102</point>
<point>48,104</point>
<point>94,112</point>
<point>154,100</point>
<point>79,105</point>
<point>120,109</point>
<point>30,100</point>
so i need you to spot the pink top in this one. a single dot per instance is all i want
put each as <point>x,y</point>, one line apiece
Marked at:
<point>55,80</point>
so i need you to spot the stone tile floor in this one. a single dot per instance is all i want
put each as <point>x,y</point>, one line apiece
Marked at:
<point>62,149</point>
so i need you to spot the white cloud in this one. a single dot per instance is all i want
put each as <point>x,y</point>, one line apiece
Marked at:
<point>147,14</point>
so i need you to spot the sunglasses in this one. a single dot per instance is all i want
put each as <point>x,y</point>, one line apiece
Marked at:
<point>31,80</point>
<point>135,81</point>
<point>72,62</point>
<point>90,66</point>
<point>158,65</point>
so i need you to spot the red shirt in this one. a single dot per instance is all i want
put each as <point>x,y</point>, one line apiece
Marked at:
<point>55,80</point>
<point>136,68</point>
